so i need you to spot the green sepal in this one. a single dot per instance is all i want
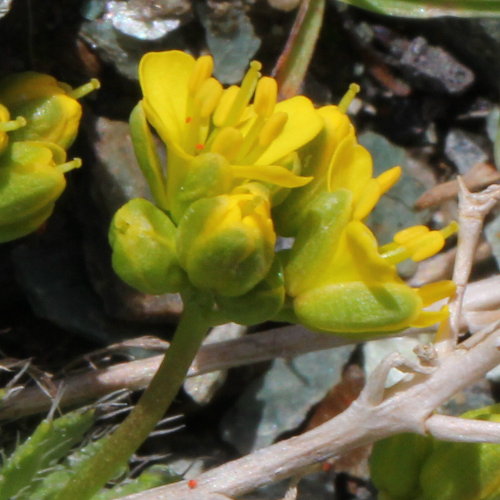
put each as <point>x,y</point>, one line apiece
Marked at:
<point>143,241</point>
<point>354,308</point>
<point>147,155</point>
<point>205,176</point>
<point>23,227</point>
<point>220,250</point>
<point>260,304</point>
<point>395,465</point>
<point>29,181</point>
<point>464,471</point>
<point>317,240</point>
<point>50,441</point>
<point>51,114</point>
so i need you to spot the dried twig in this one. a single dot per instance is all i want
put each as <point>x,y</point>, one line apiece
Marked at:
<point>480,175</point>
<point>481,307</point>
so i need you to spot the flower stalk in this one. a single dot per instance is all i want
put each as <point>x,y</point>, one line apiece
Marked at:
<point>154,402</point>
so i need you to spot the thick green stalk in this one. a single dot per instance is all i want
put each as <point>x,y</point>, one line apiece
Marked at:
<point>151,407</point>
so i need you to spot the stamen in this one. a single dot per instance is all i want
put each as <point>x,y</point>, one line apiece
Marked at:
<point>266,94</point>
<point>225,104</point>
<point>272,128</point>
<point>428,246</point>
<point>208,96</point>
<point>344,103</point>
<point>11,125</point>
<point>69,165</point>
<point>85,89</point>
<point>450,229</point>
<point>410,233</point>
<point>227,143</point>
<point>199,147</point>
<point>202,70</point>
<point>436,291</point>
<point>244,94</point>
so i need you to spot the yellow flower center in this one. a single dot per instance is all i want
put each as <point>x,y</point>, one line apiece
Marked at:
<point>222,121</point>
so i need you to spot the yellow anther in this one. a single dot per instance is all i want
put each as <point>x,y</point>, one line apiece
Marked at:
<point>409,234</point>
<point>266,94</point>
<point>203,68</point>
<point>436,291</point>
<point>388,178</point>
<point>428,245</point>
<point>272,128</point>
<point>344,103</point>
<point>227,143</point>
<point>225,104</point>
<point>69,165</point>
<point>208,97</point>
<point>85,89</point>
<point>367,200</point>
<point>244,94</point>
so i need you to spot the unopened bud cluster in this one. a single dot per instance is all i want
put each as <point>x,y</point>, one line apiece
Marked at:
<point>39,119</point>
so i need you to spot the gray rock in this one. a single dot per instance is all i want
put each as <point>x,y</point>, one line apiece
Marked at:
<point>465,149</point>
<point>230,38</point>
<point>280,400</point>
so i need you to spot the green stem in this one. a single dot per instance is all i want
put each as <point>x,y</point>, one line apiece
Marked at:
<point>151,407</point>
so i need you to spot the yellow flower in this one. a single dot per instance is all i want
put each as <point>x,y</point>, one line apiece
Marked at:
<point>342,282</point>
<point>194,115</point>
<point>335,160</point>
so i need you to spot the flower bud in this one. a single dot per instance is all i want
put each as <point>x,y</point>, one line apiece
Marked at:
<point>205,176</point>
<point>50,108</point>
<point>463,471</point>
<point>395,465</point>
<point>260,304</point>
<point>226,243</point>
<point>31,180</point>
<point>143,241</point>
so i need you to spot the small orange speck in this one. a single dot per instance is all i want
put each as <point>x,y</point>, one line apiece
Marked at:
<point>326,466</point>
<point>192,484</point>
<point>199,147</point>
<point>188,119</point>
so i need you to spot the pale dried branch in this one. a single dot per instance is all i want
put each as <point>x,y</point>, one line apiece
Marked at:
<point>473,208</point>
<point>407,407</point>
<point>480,175</point>
<point>481,307</point>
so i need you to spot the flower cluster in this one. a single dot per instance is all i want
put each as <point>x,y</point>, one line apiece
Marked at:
<point>33,148</point>
<point>243,169</point>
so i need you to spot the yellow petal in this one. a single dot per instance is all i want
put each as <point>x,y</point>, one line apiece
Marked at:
<point>303,124</point>
<point>351,167</point>
<point>274,174</point>
<point>164,78</point>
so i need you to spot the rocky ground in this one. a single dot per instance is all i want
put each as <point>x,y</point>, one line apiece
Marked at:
<point>429,98</point>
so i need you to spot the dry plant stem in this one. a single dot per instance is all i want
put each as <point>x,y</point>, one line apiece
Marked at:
<point>481,306</point>
<point>406,408</point>
<point>119,446</point>
<point>480,175</point>
<point>473,208</point>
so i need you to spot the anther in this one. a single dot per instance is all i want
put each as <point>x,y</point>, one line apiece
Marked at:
<point>349,96</point>
<point>265,96</point>
<point>85,89</point>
